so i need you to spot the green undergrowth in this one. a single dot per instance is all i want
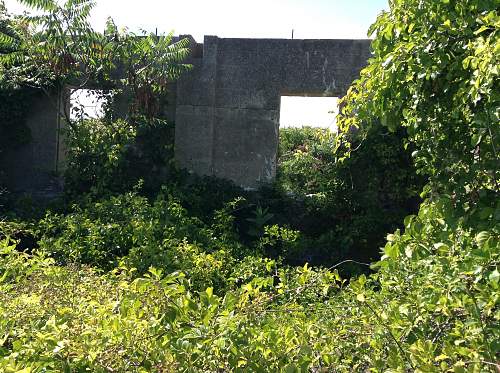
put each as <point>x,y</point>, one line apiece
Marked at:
<point>343,209</point>
<point>432,306</point>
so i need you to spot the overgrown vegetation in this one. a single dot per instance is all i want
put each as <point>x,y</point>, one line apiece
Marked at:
<point>343,209</point>
<point>336,210</point>
<point>57,48</point>
<point>191,276</point>
<point>109,157</point>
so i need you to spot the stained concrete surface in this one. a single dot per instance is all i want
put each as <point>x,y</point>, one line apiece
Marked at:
<point>226,109</point>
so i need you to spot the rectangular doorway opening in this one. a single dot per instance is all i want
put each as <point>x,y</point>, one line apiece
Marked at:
<point>306,141</point>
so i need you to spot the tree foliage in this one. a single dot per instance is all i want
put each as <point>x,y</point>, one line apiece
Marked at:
<point>435,72</point>
<point>343,209</point>
<point>56,48</point>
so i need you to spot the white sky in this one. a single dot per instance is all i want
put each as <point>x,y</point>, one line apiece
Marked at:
<point>310,19</point>
<point>316,19</point>
<point>308,111</point>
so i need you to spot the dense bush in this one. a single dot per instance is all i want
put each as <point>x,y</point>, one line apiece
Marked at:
<point>435,74</point>
<point>111,157</point>
<point>424,310</point>
<point>340,210</point>
<point>343,209</point>
<point>129,229</point>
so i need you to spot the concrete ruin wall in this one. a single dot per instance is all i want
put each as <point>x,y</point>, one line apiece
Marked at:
<point>36,166</point>
<point>227,111</point>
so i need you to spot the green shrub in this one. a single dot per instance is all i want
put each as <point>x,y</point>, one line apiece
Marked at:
<point>202,196</point>
<point>112,157</point>
<point>336,206</point>
<point>142,234</point>
<point>430,307</point>
<point>343,209</point>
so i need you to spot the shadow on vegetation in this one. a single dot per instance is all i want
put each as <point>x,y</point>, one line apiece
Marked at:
<point>319,211</point>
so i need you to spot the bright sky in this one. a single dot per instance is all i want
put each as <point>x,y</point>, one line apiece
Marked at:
<point>308,111</point>
<point>310,19</point>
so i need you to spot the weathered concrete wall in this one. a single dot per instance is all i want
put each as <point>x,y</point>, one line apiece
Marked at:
<point>227,112</point>
<point>226,109</point>
<point>36,166</point>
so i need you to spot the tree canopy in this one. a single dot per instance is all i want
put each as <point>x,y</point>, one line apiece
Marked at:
<point>56,47</point>
<point>434,71</point>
